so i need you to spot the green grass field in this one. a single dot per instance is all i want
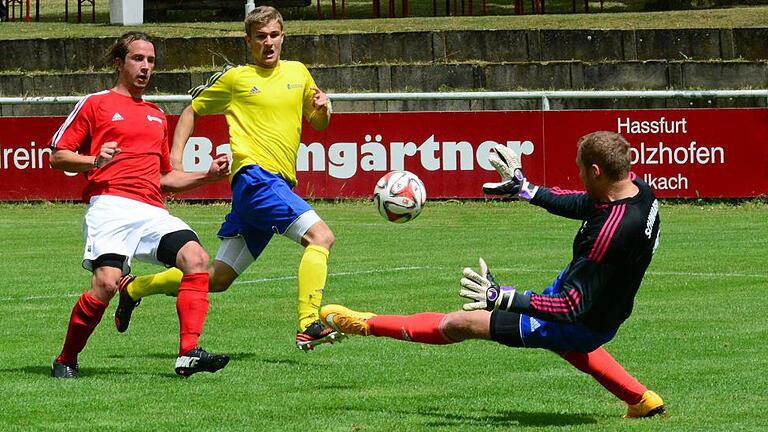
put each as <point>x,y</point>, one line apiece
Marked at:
<point>697,335</point>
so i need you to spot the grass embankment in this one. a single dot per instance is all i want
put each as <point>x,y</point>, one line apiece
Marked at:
<point>300,22</point>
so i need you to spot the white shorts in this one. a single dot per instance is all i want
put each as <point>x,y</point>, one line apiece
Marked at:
<point>233,251</point>
<point>123,226</point>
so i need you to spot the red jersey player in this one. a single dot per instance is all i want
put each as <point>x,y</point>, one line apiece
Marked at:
<point>120,143</point>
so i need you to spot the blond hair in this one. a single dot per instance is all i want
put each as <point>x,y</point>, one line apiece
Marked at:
<point>261,16</point>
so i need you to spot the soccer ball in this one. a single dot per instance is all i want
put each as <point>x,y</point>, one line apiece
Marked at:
<point>399,196</point>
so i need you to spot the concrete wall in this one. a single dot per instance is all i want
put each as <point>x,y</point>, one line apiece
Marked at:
<point>572,75</point>
<point>653,75</point>
<point>409,47</point>
<point>425,61</point>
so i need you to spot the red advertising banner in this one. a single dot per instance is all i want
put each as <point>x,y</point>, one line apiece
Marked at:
<point>681,153</point>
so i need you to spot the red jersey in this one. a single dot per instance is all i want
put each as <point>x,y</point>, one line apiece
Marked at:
<point>141,131</point>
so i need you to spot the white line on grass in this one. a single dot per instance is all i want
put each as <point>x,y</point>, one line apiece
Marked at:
<point>38,297</point>
<point>397,269</point>
<point>241,282</point>
<point>352,273</point>
<point>670,273</point>
<point>654,273</point>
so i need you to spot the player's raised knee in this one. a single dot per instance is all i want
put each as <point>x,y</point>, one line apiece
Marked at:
<point>221,277</point>
<point>320,234</point>
<point>104,284</point>
<point>192,258</point>
<point>182,249</point>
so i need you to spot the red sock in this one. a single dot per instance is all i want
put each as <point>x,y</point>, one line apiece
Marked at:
<point>421,327</point>
<point>192,307</point>
<point>85,317</point>
<point>609,373</point>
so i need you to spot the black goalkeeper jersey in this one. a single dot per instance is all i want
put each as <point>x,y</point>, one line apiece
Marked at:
<point>611,252</point>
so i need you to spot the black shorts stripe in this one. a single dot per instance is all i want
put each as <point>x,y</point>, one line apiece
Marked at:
<point>109,260</point>
<point>171,244</point>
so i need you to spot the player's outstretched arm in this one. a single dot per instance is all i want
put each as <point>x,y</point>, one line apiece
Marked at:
<point>181,134</point>
<point>180,181</point>
<point>485,293</point>
<point>513,182</point>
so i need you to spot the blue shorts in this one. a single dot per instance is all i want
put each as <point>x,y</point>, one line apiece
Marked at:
<point>263,204</point>
<point>525,331</point>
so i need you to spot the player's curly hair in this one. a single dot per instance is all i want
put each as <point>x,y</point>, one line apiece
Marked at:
<point>262,16</point>
<point>119,49</point>
<point>608,150</point>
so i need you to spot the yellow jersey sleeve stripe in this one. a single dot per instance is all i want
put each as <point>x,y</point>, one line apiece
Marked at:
<point>195,91</point>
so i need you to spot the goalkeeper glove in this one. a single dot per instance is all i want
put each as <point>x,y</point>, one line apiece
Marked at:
<point>484,292</point>
<point>505,161</point>
<point>513,182</point>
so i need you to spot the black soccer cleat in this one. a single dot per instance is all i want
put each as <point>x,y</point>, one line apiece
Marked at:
<point>199,360</point>
<point>316,334</point>
<point>126,305</point>
<point>64,371</point>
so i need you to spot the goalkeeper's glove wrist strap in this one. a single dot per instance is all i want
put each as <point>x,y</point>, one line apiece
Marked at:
<point>500,297</point>
<point>527,190</point>
<point>510,299</point>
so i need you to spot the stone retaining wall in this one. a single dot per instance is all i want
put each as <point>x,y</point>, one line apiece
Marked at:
<point>407,47</point>
<point>573,75</point>
<point>650,75</point>
<point>426,61</point>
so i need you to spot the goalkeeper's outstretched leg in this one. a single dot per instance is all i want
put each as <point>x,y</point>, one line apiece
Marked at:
<point>502,327</point>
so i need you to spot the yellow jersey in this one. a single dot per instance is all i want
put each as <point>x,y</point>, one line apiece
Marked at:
<point>264,109</point>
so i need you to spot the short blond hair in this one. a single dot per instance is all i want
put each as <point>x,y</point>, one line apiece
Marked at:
<point>261,16</point>
<point>608,150</point>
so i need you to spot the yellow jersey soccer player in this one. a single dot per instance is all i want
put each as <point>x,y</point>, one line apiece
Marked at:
<point>263,103</point>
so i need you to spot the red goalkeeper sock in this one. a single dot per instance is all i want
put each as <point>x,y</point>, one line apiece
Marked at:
<point>609,373</point>
<point>86,315</point>
<point>421,327</point>
<point>192,307</point>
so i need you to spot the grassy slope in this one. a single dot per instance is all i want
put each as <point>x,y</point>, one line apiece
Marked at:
<point>711,18</point>
<point>696,336</point>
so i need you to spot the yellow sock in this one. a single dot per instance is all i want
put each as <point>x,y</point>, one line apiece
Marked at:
<point>166,282</point>
<point>313,270</point>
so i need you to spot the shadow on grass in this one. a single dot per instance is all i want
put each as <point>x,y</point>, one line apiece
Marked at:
<point>337,386</point>
<point>234,356</point>
<point>31,370</point>
<point>90,371</point>
<point>279,361</point>
<point>99,372</point>
<point>513,418</point>
<point>502,418</point>
<point>155,355</point>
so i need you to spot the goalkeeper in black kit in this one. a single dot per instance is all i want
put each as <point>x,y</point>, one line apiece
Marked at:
<point>585,305</point>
